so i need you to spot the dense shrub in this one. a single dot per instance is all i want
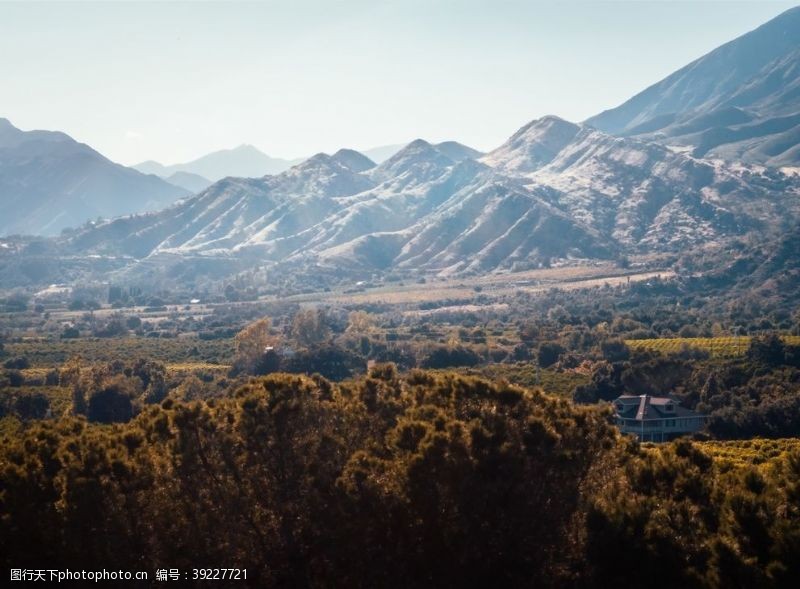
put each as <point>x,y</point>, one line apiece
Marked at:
<point>548,353</point>
<point>112,403</point>
<point>14,378</point>
<point>330,361</point>
<point>17,363</point>
<point>32,405</point>
<point>446,356</point>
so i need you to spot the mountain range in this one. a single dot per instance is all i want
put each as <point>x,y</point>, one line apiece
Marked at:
<point>662,174</point>
<point>555,189</point>
<point>245,161</point>
<point>740,102</point>
<point>49,181</point>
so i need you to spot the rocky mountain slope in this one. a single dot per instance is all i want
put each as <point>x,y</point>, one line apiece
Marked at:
<point>642,195</point>
<point>49,181</point>
<point>554,190</point>
<point>739,102</point>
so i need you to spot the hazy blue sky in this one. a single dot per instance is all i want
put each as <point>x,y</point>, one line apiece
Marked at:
<point>172,81</point>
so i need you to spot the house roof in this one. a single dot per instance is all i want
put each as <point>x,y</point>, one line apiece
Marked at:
<point>644,407</point>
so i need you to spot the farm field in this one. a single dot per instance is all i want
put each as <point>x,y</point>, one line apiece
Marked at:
<point>46,353</point>
<point>464,290</point>
<point>526,375</point>
<point>718,347</point>
<point>758,452</point>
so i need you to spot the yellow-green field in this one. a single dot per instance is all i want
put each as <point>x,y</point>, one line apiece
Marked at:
<point>718,347</point>
<point>179,368</point>
<point>526,375</point>
<point>44,353</point>
<point>759,453</point>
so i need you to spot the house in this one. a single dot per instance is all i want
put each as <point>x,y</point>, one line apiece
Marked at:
<point>655,419</point>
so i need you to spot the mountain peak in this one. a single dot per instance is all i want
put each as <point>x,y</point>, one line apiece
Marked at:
<point>339,163</point>
<point>546,124</point>
<point>457,151</point>
<point>315,162</point>
<point>419,148</point>
<point>418,145</point>
<point>552,119</point>
<point>321,159</point>
<point>534,145</point>
<point>418,155</point>
<point>246,147</point>
<point>356,161</point>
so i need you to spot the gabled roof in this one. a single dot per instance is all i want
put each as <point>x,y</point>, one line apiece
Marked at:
<point>644,407</point>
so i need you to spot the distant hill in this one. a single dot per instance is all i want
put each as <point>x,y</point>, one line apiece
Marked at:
<point>194,183</point>
<point>244,161</point>
<point>49,181</point>
<point>739,102</point>
<point>382,153</point>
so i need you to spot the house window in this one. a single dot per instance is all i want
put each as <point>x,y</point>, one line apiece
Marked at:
<point>670,407</point>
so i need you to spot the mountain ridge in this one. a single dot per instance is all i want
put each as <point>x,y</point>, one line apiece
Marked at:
<point>736,102</point>
<point>554,190</point>
<point>50,182</point>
